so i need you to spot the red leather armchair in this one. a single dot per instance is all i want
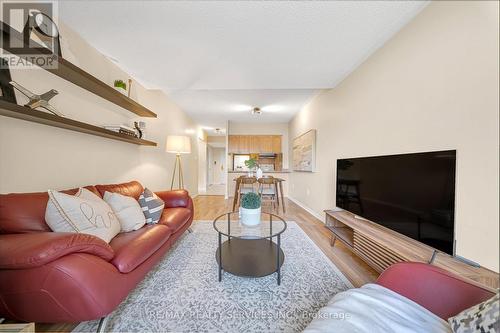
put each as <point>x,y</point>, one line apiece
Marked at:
<point>434,288</point>
<point>64,277</point>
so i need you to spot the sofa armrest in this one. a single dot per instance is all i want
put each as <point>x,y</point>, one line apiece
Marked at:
<point>19,251</point>
<point>177,198</point>
<point>434,288</point>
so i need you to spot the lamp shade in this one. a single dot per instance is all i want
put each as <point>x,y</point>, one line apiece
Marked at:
<point>178,144</point>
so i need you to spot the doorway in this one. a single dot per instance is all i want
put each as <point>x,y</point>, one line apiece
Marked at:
<point>216,166</point>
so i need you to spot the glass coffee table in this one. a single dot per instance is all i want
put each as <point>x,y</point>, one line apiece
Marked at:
<point>250,251</point>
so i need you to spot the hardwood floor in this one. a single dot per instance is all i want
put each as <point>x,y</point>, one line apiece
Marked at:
<point>208,207</point>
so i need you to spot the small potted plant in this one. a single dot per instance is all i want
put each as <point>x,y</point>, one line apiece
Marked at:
<point>120,86</point>
<point>250,209</point>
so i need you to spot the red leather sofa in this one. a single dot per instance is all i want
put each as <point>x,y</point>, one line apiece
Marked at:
<point>434,288</point>
<point>65,277</point>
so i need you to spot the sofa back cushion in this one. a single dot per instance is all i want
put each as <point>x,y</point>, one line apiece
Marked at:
<point>132,189</point>
<point>25,212</point>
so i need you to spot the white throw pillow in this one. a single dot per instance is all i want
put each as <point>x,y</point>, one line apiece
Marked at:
<point>127,210</point>
<point>84,212</point>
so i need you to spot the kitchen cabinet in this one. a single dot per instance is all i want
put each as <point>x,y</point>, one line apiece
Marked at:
<point>257,144</point>
<point>276,146</point>
<point>243,144</point>
<point>233,143</point>
<point>266,144</point>
<point>254,145</point>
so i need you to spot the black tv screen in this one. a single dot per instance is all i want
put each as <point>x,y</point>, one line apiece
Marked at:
<point>413,194</point>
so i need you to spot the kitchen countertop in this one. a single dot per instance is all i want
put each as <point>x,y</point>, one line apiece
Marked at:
<point>282,171</point>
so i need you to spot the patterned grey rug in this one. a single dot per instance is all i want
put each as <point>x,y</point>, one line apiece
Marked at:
<point>182,294</point>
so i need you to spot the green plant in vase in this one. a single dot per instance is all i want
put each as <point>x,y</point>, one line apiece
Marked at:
<point>250,201</point>
<point>252,164</point>
<point>250,209</point>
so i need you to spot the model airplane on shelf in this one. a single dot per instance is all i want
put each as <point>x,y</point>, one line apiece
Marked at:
<point>38,101</point>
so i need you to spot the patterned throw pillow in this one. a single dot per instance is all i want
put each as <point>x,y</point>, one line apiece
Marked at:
<point>83,212</point>
<point>483,317</point>
<point>151,205</point>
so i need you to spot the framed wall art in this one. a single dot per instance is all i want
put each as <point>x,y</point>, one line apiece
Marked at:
<point>304,152</point>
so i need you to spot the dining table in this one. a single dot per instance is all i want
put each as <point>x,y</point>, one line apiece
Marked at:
<point>278,187</point>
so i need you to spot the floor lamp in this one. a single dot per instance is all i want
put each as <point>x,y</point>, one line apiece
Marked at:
<point>178,144</point>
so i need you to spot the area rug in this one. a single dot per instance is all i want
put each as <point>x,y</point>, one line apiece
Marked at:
<point>182,294</point>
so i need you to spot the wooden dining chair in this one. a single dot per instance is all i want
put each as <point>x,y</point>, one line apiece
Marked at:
<point>267,190</point>
<point>246,185</point>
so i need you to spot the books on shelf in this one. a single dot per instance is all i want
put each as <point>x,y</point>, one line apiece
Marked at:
<point>121,129</point>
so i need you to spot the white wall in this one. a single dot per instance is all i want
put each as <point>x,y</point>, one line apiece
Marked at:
<point>434,86</point>
<point>35,157</point>
<point>202,161</point>
<point>264,129</point>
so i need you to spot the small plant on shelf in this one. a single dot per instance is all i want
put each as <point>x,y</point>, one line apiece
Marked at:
<point>120,84</point>
<point>250,201</point>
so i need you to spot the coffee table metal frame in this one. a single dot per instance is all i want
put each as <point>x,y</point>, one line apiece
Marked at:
<point>279,252</point>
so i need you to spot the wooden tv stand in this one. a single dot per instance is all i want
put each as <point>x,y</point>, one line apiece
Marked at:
<point>381,247</point>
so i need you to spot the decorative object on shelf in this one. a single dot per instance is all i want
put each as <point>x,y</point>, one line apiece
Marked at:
<point>252,164</point>
<point>142,127</point>
<point>6,90</point>
<point>15,111</point>
<point>38,101</point>
<point>129,87</point>
<point>178,144</point>
<point>304,152</point>
<point>138,129</point>
<point>120,86</point>
<point>44,27</point>
<point>122,129</point>
<point>250,209</point>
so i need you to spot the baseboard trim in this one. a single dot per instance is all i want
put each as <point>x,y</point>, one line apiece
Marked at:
<point>307,209</point>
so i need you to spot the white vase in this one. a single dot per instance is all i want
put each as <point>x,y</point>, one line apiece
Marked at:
<point>250,217</point>
<point>259,173</point>
<point>121,90</point>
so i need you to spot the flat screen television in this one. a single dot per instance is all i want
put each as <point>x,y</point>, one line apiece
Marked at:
<point>413,194</point>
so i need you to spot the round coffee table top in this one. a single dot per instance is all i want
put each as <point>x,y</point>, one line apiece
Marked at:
<point>270,225</point>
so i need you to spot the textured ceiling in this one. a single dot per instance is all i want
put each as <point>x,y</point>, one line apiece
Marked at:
<point>211,56</point>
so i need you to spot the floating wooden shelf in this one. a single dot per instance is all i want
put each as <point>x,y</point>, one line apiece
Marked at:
<point>81,78</point>
<point>25,113</point>
<point>76,75</point>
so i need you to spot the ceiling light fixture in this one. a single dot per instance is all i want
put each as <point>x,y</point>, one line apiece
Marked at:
<point>256,111</point>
